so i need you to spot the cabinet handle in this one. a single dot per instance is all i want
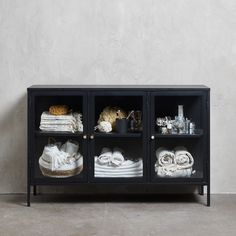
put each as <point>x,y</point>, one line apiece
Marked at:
<point>91,136</point>
<point>85,136</point>
<point>152,137</point>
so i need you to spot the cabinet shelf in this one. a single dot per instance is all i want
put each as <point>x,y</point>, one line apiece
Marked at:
<point>198,134</point>
<point>57,133</point>
<point>117,135</point>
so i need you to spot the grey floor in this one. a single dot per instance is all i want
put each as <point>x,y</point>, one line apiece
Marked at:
<point>72,215</point>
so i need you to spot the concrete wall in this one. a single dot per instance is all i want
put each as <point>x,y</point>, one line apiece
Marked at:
<point>117,41</point>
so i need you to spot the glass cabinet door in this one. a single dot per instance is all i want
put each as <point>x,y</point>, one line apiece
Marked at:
<point>60,128</point>
<point>178,141</point>
<point>117,135</point>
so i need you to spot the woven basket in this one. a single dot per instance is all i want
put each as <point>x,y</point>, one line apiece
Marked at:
<point>61,173</point>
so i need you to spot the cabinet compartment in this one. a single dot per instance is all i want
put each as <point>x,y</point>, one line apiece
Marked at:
<point>193,146</point>
<point>42,103</point>
<point>132,167</point>
<point>125,102</point>
<point>42,173</point>
<point>168,106</point>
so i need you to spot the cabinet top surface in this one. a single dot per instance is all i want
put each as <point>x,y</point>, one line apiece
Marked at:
<point>118,87</point>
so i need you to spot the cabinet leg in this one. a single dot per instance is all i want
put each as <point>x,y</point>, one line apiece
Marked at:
<point>28,195</point>
<point>201,190</point>
<point>35,190</point>
<point>208,195</point>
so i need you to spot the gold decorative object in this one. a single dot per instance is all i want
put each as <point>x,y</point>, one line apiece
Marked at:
<point>109,114</point>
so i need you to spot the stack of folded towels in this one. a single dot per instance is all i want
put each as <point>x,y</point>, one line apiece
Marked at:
<point>176,163</point>
<point>112,164</point>
<point>61,161</point>
<point>71,122</point>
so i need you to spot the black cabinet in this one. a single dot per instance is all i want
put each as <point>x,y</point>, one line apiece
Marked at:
<point>152,102</point>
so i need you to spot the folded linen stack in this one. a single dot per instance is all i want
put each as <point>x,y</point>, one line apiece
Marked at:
<point>113,165</point>
<point>71,122</point>
<point>177,163</point>
<point>60,161</point>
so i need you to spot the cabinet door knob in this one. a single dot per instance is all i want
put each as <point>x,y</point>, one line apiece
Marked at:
<point>84,136</point>
<point>152,137</point>
<point>91,136</point>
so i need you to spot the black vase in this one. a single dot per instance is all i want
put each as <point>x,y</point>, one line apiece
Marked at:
<point>121,125</point>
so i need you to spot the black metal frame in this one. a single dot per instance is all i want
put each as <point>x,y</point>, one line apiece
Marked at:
<point>88,137</point>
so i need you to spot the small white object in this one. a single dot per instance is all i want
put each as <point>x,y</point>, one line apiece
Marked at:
<point>104,126</point>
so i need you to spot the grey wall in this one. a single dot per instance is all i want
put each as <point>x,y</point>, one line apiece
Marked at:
<point>117,41</point>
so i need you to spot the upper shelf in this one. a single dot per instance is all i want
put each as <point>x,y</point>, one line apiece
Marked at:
<point>57,133</point>
<point>120,135</point>
<point>198,134</point>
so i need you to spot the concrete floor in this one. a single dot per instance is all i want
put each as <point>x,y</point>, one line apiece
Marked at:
<point>72,215</point>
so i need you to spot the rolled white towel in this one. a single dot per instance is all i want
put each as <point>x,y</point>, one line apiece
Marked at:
<point>164,157</point>
<point>184,159</point>
<point>117,157</point>
<point>105,156</point>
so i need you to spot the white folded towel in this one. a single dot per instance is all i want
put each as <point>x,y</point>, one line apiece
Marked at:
<point>69,123</point>
<point>173,172</point>
<point>70,147</point>
<point>47,116</point>
<point>128,169</point>
<point>122,175</point>
<point>127,165</point>
<point>54,157</point>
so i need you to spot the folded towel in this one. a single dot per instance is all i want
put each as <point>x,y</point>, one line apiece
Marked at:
<point>68,165</point>
<point>126,175</point>
<point>69,123</point>
<point>126,165</point>
<point>47,116</point>
<point>60,128</point>
<point>70,147</point>
<point>173,172</point>
<point>54,157</point>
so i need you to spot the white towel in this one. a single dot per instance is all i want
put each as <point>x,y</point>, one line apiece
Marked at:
<point>174,164</point>
<point>126,165</point>
<point>105,156</point>
<point>128,169</point>
<point>122,175</point>
<point>165,157</point>
<point>184,159</point>
<point>173,172</point>
<point>70,147</point>
<point>71,122</point>
<point>117,156</point>
<point>55,157</point>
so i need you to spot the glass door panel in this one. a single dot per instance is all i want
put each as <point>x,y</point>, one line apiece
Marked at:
<point>60,144</point>
<point>118,152</point>
<point>177,137</point>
